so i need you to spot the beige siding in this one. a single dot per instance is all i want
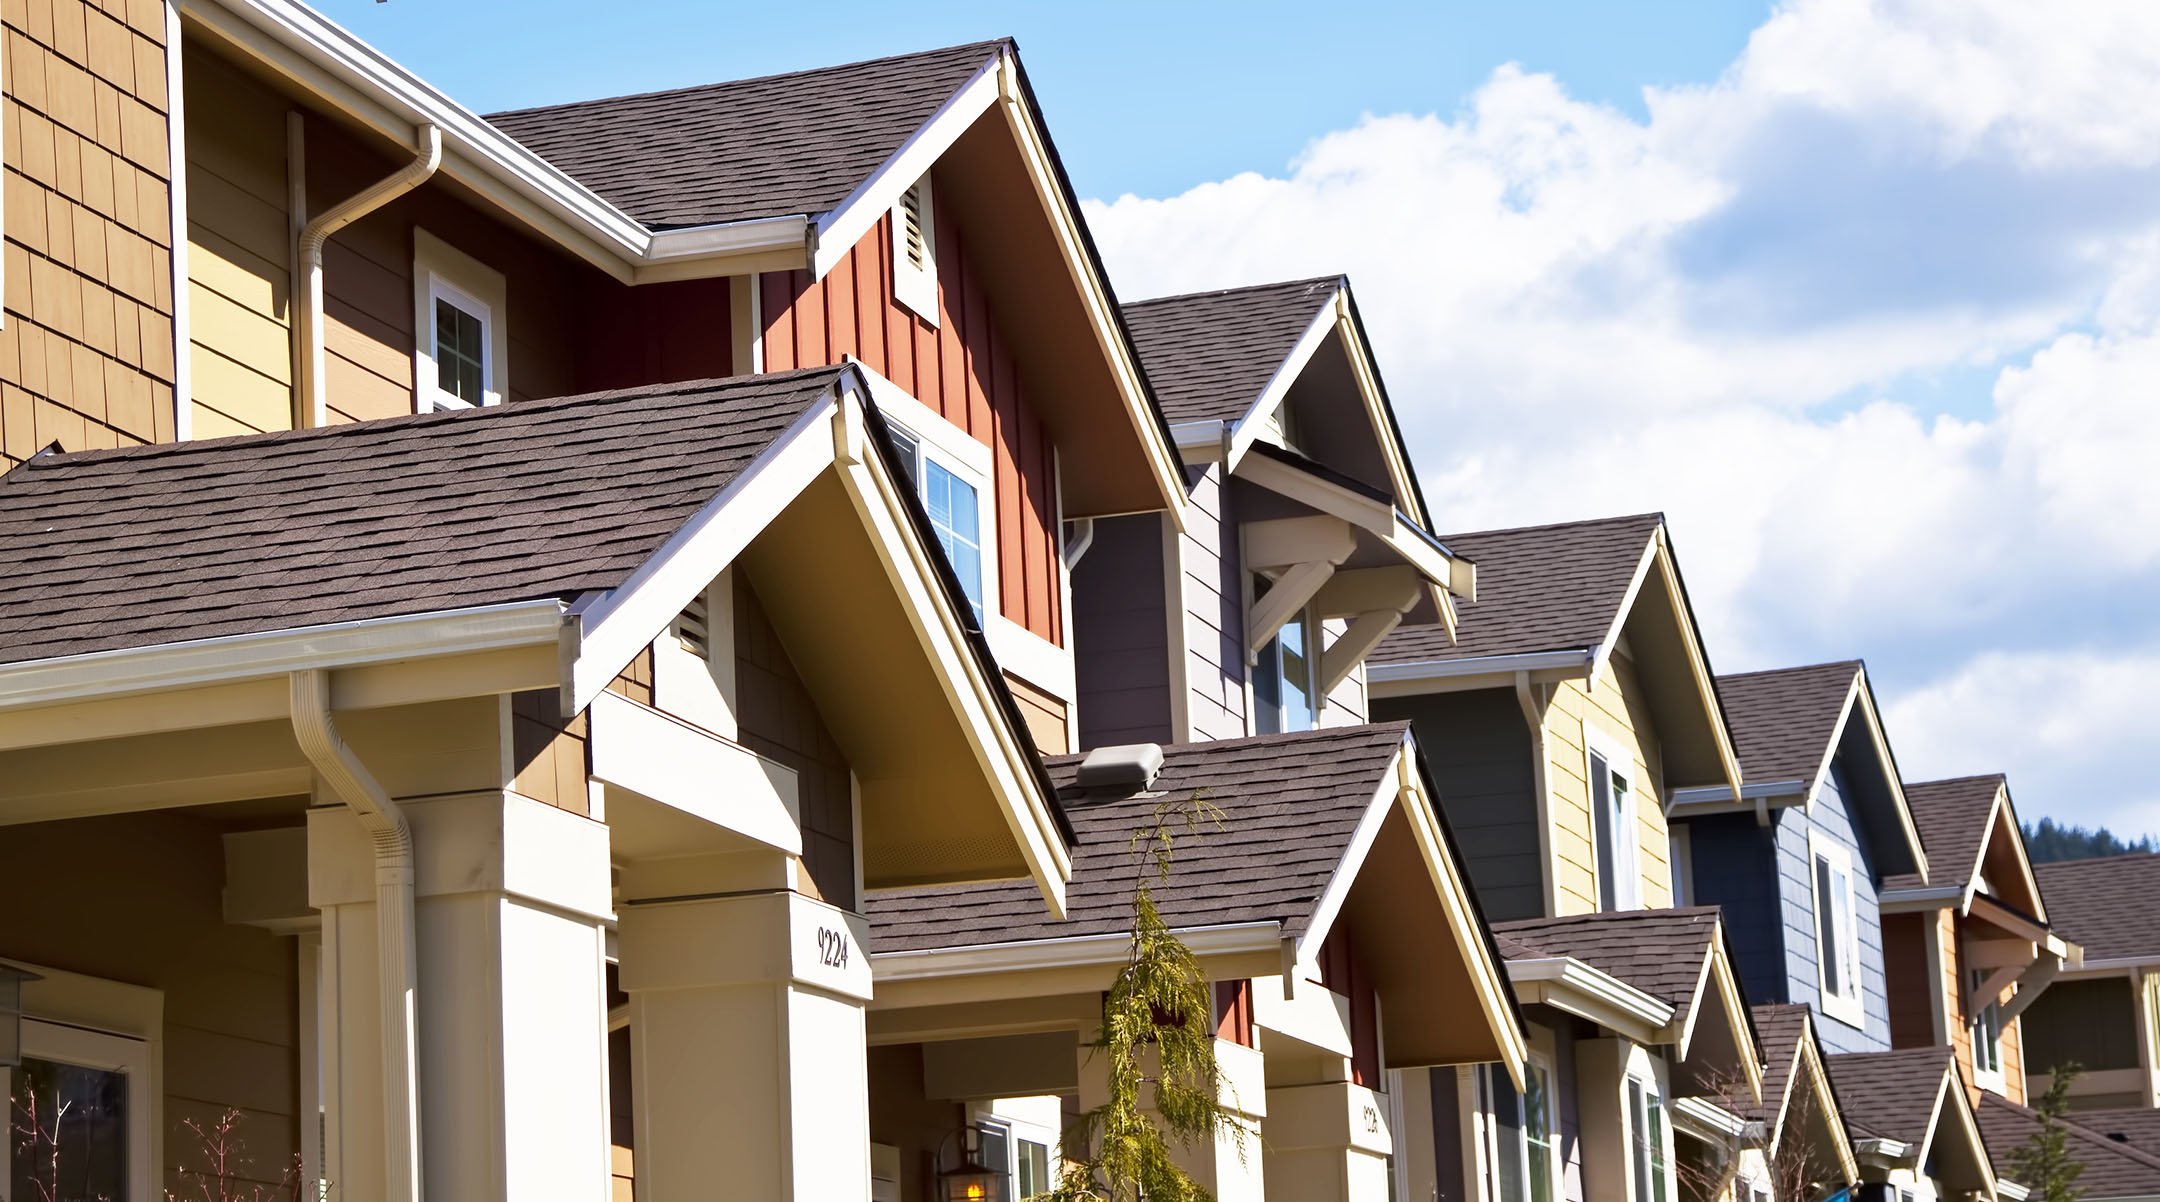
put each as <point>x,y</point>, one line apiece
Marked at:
<point>86,349</point>
<point>1045,715</point>
<point>1613,712</point>
<point>239,251</point>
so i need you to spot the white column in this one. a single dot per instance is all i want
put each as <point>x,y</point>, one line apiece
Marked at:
<point>1231,1166</point>
<point>512,902</point>
<point>749,1074</point>
<point>1328,1141</point>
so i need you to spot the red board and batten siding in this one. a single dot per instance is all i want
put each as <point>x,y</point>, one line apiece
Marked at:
<point>962,368</point>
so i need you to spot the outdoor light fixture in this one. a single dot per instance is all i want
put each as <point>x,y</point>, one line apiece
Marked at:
<point>968,1179</point>
<point>11,1014</point>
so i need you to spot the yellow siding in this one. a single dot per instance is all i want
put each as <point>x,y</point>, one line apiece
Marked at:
<point>1614,710</point>
<point>239,252</point>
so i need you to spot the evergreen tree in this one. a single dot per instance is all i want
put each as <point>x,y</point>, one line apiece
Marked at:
<point>2047,841</point>
<point>1160,1004</point>
<point>2044,1164</point>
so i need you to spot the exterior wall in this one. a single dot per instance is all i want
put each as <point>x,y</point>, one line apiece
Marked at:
<point>240,248</point>
<point>962,367</point>
<point>1214,592</point>
<point>1477,747</point>
<point>74,892</point>
<point>779,720</point>
<point>1347,705</point>
<point>1830,821</point>
<point>1045,715</point>
<point>86,349</point>
<point>1733,861</point>
<point>1908,975</point>
<point>1121,660</point>
<point>902,1117</point>
<point>1615,711</point>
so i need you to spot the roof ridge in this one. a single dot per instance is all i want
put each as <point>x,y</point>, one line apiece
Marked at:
<point>1338,278</point>
<point>1956,780</point>
<point>1828,663</point>
<point>1657,515</point>
<point>716,84</point>
<point>2121,855</point>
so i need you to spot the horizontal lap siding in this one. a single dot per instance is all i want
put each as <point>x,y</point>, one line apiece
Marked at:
<point>1214,612</point>
<point>1477,748</point>
<point>1615,710</point>
<point>1830,822</point>
<point>1121,658</point>
<point>962,368</point>
<point>239,252</point>
<point>1733,858</point>
<point>86,351</point>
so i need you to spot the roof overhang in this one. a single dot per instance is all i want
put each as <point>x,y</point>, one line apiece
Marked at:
<point>1714,1039</point>
<point>1668,655</point>
<point>1953,1144</point>
<point>1821,1121</point>
<point>1410,678</point>
<point>998,972</point>
<point>1574,987</point>
<point>2001,824</point>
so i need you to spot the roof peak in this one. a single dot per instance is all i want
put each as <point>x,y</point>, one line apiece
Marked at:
<point>1654,515</point>
<point>1852,664</point>
<point>1000,43</point>
<point>1338,279</point>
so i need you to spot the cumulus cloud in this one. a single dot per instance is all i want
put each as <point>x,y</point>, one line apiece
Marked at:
<point>1871,315</point>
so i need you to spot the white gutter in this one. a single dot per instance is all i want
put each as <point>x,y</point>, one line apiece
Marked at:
<point>1574,975</point>
<point>391,836</point>
<point>1228,939</point>
<point>1887,1150</point>
<point>277,652</point>
<point>312,397</point>
<point>1414,671</point>
<point>1707,797</point>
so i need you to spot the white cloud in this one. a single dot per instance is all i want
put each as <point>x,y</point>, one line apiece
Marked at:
<point>1872,316</point>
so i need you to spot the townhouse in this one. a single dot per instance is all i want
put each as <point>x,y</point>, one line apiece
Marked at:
<point>1912,1125</point>
<point>2102,1013</point>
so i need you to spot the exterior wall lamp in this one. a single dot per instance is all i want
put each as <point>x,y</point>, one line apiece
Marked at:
<point>967,1178</point>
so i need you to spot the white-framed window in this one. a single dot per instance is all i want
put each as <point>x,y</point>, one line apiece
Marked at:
<point>914,250</point>
<point>1613,827</point>
<point>1986,1029</point>
<point>1682,849</point>
<point>460,328</point>
<point>1837,931</point>
<point>1649,1142</point>
<point>952,475</point>
<point>1286,674</point>
<point>1518,1158</point>
<point>1026,1152</point>
<point>84,1106</point>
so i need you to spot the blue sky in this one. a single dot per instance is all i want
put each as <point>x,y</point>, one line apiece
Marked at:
<point>1863,294</point>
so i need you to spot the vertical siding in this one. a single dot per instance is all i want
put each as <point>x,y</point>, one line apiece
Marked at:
<point>240,267</point>
<point>1733,861</point>
<point>1121,638</point>
<point>778,719</point>
<point>2093,1022</point>
<point>86,351</point>
<point>1830,822</point>
<point>1214,611</point>
<point>962,367</point>
<point>1477,748</point>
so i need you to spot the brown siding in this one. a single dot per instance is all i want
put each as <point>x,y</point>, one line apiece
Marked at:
<point>780,720</point>
<point>962,368</point>
<point>656,334</point>
<point>635,681</point>
<point>902,1117</point>
<point>548,753</point>
<point>86,350</point>
<point>1234,1012</point>
<point>1910,977</point>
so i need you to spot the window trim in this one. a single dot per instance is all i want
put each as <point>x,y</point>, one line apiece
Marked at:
<point>442,270</point>
<point>1989,1079</point>
<point>1315,635</point>
<point>98,1022</point>
<point>1666,1187</point>
<point>1849,1006</point>
<point>1597,745</point>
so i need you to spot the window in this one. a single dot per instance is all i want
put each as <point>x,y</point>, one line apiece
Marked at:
<point>79,1117</point>
<point>1837,933</point>
<point>1612,803</point>
<point>914,251</point>
<point>1648,1155</point>
<point>460,353</point>
<point>1519,1137</point>
<point>954,501</point>
<point>1682,850</point>
<point>1986,1036</point>
<point>1021,1151</point>
<point>1285,681</point>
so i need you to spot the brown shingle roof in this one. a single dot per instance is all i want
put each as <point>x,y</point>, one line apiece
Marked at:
<point>130,548</point>
<point>1889,1095</point>
<point>2105,904</point>
<point>1952,816</point>
<point>1540,588</point>
<point>1208,354</point>
<point>1289,804</point>
<point>1780,1029</point>
<point>1782,720</point>
<point>780,145</point>
<point>2112,1169</point>
<point>1660,952</point>
<point>2139,1128</point>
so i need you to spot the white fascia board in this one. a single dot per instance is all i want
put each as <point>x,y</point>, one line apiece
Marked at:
<point>2011,1191</point>
<point>1202,442</point>
<point>1373,517</point>
<point>1707,1116</point>
<point>838,230</point>
<point>2112,966</point>
<point>1415,672</point>
<point>1717,799</point>
<point>759,235</point>
<point>1567,983</point>
<point>1882,1151</point>
<point>1337,892</point>
<point>1923,897</point>
<point>1081,951</point>
<point>1658,554</point>
<point>1271,395</point>
<point>609,631</point>
<point>277,652</point>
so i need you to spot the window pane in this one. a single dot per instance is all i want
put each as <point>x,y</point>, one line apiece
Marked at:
<point>952,505</point>
<point>996,1147</point>
<point>1608,869</point>
<point>908,449</point>
<point>1537,1130</point>
<point>460,352</point>
<point>1657,1149</point>
<point>1508,1151</point>
<point>1826,928</point>
<point>1034,1166</point>
<point>83,1112</point>
<point>1299,711</point>
<point>1639,1122</point>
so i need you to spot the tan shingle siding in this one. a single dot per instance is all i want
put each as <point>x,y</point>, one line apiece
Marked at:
<point>86,354</point>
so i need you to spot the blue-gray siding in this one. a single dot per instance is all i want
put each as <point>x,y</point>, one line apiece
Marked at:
<point>1732,867</point>
<point>1831,822</point>
<point>1121,635</point>
<point>1477,747</point>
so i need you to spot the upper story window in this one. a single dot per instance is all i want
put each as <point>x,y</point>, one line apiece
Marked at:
<point>1286,676</point>
<point>461,341</point>
<point>1612,806</point>
<point>1649,1154</point>
<point>1837,933</point>
<point>914,251</point>
<point>1986,1030</point>
<point>956,495</point>
<point>1519,1134</point>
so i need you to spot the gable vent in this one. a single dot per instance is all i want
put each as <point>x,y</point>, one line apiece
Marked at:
<point>693,629</point>
<point>913,242</point>
<point>914,250</point>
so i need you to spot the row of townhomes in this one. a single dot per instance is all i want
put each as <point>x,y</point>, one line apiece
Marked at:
<point>623,650</point>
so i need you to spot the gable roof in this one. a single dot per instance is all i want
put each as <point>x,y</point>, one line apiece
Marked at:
<point>796,144</point>
<point>103,550</point>
<point>2138,1127</point>
<point>1210,354</point>
<point>2113,1169</point>
<point>1914,1097</point>
<point>1539,588</point>
<point>1783,720</point>
<point>1966,822</point>
<point>2105,905</point>
<point>1793,1060</point>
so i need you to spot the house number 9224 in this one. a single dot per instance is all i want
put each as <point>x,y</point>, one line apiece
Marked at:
<point>832,947</point>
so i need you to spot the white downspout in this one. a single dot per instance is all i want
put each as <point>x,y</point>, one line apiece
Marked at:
<point>312,397</point>
<point>1533,710</point>
<point>391,835</point>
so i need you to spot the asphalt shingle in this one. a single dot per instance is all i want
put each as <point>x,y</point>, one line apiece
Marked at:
<point>2105,905</point>
<point>1288,806</point>
<point>114,549</point>
<point>2139,1128</point>
<point>2112,1169</point>
<point>779,145</point>
<point>1209,354</point>
<point>1660,952</point>
<point>1952,817</point>
<point>1889,1095</point>
<point>1782,720</point>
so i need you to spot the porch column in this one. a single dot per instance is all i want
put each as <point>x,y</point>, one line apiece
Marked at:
<point>512,900</point>
<point>1230,1168</point>
<point>1328,1141</point>
<point>749,1074</point>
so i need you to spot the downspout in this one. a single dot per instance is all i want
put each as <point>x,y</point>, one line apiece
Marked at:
<point>1533,711</point>
<point>391,836</point>
<point>312,397</point>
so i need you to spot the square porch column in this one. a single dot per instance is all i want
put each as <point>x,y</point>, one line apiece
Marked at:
<point>1230,1166</point>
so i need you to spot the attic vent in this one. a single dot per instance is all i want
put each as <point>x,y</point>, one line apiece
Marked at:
<point>914,253</point>
<point>693,629</point>
<point>1123,770</point>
